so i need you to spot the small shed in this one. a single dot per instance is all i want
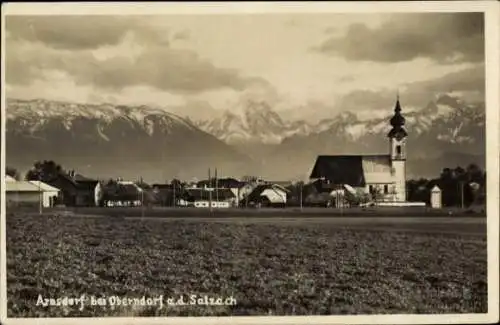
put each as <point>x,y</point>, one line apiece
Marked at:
<point>436,199</point>
<point>30,192</point>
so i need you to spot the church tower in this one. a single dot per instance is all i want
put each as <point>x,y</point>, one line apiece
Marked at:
<point>397,140</point>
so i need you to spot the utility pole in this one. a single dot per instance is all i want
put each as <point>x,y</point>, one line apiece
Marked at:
<point>341,204</point>
<point>300,195</point>
<point>246,198</point>
<point>209,192</point>
<point>174,186</point>
<point>142,203</point>
<point>216,187</point>
<point>40,195</point>
<point>462,194</point>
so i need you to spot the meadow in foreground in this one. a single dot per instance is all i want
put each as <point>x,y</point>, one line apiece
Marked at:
<point>270,269</point>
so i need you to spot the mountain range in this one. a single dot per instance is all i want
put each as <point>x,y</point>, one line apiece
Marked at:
<point>154,143</point>
<point>114,141</point>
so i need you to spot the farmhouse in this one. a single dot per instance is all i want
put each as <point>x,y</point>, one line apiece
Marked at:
<point>167,194</point>
<point>20,193</point>
<point>203,197</point>
<point>123,194</point>
<point>239,188</point>
<point>76,190</point>
<point>267,195</point>
<point>382,176</point>
<point>319,193</point>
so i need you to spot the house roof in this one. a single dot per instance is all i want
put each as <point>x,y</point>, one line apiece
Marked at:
<point>163,186</point>
<point>436,189</point>
<point>9,178</point>
<point>355,170</point>
<point>281,183</point>
<point>131,186</point>
<point>29,186</point>
<point>79,181</point>
<point>221,183</point>
<point>81,178</point>
<point>323,187</point>
<point>22,186</point>
<point>123,192</point>
<point>203,194</point>
<point>45,187</point>
<point>256,193</point>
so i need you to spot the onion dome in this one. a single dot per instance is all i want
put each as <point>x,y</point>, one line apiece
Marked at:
<point>397,123</point>
<point>397,119</point>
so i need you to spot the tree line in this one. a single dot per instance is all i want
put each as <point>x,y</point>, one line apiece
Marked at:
<point>459,187</point>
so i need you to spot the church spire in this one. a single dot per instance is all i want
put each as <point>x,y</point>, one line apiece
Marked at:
<point>397,109</point>
<point>397,121</point>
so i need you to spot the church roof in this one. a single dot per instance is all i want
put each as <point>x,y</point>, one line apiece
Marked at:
<point>397,122</point>
<point>355,170</point>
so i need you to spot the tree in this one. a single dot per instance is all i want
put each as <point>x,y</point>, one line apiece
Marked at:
<point>458,185</point>
<point>298,191</point>
<point>176,184</point>
<point>475,174</point>
<point>460,173</point>
<point>419,190</point>
<point>12,172</point>
<point>45,171</point>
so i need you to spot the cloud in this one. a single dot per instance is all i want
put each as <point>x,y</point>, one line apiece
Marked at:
<point>442,37</point>
<point>362,100</point>
<point>93,51</point>
<point>468,82</point>
<point>81,32</point>
<point>471,79</point>
<point>182,35</point>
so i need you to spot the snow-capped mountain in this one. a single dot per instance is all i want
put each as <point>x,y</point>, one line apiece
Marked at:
<point>110,141</point>
<point>448,118</point>
<point>446,127</point>
<point>252,122</point>
<point>114,141</point>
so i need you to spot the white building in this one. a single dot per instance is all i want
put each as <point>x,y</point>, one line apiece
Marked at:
<point>436,198</point>
<point>29,192</point>
<point>383,176</point>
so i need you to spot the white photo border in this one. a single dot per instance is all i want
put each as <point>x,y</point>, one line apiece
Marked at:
<point>492,55</point>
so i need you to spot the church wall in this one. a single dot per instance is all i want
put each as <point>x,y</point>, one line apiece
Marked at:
<point>398,153</point>
<point>400,179</point>
<point>380,189</point>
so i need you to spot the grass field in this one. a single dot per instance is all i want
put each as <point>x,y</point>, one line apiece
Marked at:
<point>190,212</point>
<point>277,267</point>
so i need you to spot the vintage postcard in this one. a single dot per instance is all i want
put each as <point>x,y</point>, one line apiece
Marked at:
<point>250,163</point>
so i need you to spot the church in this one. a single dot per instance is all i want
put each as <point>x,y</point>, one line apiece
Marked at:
<point>383,175</point>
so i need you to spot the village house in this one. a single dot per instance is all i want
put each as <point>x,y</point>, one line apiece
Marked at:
<point>266,195</point>
<point>122,193</point>
<point>21,193</point>
<point>382,176</point>
<point>77,190</point>
<point>165,194</point>
<point>203,197</point>
<point>239,188</point>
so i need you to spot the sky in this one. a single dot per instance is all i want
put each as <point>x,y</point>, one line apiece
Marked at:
<point>305,65</point>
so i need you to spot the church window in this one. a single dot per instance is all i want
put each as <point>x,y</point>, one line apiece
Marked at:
<point>398,150</point>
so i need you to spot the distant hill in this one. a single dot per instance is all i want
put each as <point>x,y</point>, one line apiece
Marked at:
<point>446,131</point>
<point>120,141</point>
<point>115,141</point>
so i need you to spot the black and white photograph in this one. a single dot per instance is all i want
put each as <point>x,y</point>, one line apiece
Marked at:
<point>210,160</point>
